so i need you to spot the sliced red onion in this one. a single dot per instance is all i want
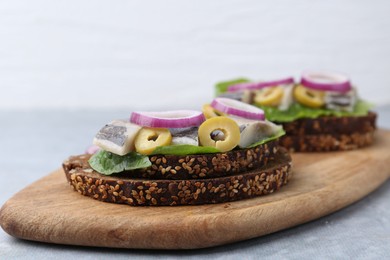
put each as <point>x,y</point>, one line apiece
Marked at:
<point>260,85</point>
<point>326,81</point>
<point>168,119</point>
<point>238,108</point>
<point>92,149</point>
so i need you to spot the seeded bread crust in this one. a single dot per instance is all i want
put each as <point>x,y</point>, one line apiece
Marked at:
<point>196,166</point>
<point>329,133</point>
<point>145,192</point>
<point>331,125</point>
<point>327,142</point>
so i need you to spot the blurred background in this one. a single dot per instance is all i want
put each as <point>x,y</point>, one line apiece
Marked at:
<point>168,54</point>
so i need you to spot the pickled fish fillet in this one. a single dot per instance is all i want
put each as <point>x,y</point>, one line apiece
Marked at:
<point>287,98</point>
<point>117,137</point>
<point>341,101</point>
<point>253,131</point>
<point>188,135</point>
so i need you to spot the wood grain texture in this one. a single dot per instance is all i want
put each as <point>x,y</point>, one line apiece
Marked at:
<point>50,211</point>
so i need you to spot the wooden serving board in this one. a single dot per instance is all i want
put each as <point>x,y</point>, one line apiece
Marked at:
<point>50,211</point>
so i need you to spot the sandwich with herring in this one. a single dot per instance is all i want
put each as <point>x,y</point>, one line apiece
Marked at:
<point>322,112</point>
<point>183,158</point>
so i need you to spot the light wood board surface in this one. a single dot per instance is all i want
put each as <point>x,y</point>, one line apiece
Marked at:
<point>50,211</point>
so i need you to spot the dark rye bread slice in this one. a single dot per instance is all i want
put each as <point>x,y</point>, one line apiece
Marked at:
<point>326,142</point>
<point>329,133</point>
<point>146,192</point>
<point>196,166</point>
<point>331,125</point>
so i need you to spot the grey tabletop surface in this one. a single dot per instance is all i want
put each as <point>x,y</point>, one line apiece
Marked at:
<point>34,143</point>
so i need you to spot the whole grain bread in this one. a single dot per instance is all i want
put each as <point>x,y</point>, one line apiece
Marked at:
<point>329,133</point>
<point>326,142</point>
<point>161,192</point>
<point>332,125</point>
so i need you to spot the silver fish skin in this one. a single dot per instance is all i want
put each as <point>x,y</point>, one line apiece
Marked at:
<point>252,131</point>
<point>187,135</point>
<point>341,101</point>
<point>287,98</point>
<point>117,137</point>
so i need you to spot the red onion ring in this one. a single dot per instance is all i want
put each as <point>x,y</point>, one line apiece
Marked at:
<point>260,85</point>
<point>237,108</point>
<point>168,119</point>
<point>326,81</point>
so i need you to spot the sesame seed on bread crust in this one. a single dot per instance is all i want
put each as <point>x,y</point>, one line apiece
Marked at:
<point>163,192</point>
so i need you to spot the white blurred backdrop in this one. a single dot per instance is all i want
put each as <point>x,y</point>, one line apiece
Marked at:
<point>169,54</point>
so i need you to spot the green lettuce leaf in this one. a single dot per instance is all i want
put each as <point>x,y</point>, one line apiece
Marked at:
<point>184,149</point>
<point>297,111</point>
<point>108,163</point>
<point>268,139</point>
<point>222,87</point>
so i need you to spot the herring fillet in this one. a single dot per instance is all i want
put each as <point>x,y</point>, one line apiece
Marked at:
<point>287,98</point>
<point>341,101</point>
<point>252,131</point>
<point>187,135</point>
<point>117,137</point>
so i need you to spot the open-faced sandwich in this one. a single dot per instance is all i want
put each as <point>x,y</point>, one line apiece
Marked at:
<point>320,113</point>
<point>182,158</point>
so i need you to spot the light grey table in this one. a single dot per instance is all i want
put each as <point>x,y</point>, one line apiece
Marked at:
<point>34,143</point>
